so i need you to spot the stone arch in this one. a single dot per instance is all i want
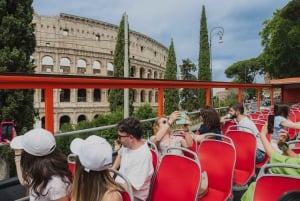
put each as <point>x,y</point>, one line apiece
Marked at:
<point>47,64</point>
<point>64,120</point>
<point>81,118</point>
<point>96,67</point>
<point>110,69</point>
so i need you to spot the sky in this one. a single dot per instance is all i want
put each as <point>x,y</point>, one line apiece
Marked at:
<point>163,20</point>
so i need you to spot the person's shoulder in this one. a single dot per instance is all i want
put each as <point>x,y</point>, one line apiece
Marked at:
<point>112,195</point>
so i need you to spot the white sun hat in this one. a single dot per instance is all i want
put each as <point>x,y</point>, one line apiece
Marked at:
<point>37,142</point>
<point>94,153</point>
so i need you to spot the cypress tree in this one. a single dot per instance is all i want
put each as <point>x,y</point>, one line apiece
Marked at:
<point>171,96</point>
<point>188,97</point>
<point>204,73</point>
<point>17,43</point>
<point>116,96</point>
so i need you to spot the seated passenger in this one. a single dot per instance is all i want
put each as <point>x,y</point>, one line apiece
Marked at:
<point>289,157</point>
<point>41,166</point>
<point>236,111</point>
<point>92,180</point>
<point>210,119</point>
<point>164,138</point>
<point>134,158</point>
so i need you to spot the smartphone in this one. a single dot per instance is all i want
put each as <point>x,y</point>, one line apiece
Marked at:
<point>183,119</point>
<point>271,123</point>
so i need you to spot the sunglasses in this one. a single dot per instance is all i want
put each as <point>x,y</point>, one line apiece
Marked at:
<point>120,136</point>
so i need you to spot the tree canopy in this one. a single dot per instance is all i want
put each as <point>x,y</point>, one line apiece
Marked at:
<point>244,71</point>
<point>281,42</point>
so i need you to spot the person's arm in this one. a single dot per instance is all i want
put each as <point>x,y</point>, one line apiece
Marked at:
<point>290,124</point>
<point>267,145</point>
<point>18,153</point>
<point>163,129</point>
<point>188,139</point>
<point>117,162</point>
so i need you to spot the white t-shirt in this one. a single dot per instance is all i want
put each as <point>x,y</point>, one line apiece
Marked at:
<point>56,189</point>
<point>247,125</point>
<point>137,166</point>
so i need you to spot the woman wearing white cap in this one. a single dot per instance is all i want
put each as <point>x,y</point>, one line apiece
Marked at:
<point>92,180</point>
<point>41,166</point>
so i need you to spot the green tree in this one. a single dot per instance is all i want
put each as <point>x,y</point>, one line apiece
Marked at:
<point>281,42</point>
<point>146,112</point>
<point>188,97</point>
<point>17,43</point>
<point>116,96</point>
<point>245,71</point>
<point>171,96</point>
<point>204,73</point>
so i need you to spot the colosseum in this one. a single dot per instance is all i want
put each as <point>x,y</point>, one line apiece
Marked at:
<point>69,45</point>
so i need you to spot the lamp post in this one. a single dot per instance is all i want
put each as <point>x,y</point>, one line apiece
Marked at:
<point>215,31</point>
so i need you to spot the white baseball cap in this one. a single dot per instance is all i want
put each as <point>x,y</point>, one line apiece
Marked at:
<point>94,153</point>
<point>37,142</point>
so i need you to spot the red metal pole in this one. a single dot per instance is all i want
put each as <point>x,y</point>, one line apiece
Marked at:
<point>49,114</point>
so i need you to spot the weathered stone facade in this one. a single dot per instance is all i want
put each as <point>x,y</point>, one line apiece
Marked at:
<point>69,45</point>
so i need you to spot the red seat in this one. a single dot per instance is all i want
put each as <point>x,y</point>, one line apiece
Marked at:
<point>217,158</point>
<point>177,178</point>
<point>227,125</point>
<point>270,187</point>
<point>245,145</point>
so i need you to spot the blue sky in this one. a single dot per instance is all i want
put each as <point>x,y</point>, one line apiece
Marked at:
<point>179,20</point>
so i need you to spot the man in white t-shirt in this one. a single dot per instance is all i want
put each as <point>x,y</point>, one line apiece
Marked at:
<point>236,111</point>
<point>134,158</point>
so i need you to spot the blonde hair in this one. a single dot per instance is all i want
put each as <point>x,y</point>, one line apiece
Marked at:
<point>92,185</point>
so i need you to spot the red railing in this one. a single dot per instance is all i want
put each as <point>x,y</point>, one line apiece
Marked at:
<point>48,82</point>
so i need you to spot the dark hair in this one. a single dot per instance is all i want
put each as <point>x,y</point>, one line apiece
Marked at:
<point>237,107</point>
<point>281,110</point>
<point>211,118</point>
<point>293,195</point>
<point>38,170</point>
<point>131,126</point>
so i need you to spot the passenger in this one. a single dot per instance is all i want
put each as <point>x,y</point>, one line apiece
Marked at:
<point>92,180</point>
<point>163,137</point>
<point>281,121</point>
<point>236,111</point>
<point>210,119</point>
<point>289,157</point>
<point>134,158</point>
<point>41,166</point>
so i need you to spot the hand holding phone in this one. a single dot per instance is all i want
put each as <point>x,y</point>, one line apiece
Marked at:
<point>184,119</point>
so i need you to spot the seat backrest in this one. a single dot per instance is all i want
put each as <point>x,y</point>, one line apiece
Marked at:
<point>154,153</point>
<point>177,178</point>
<point>270,186</point>
<point>217,158</point>
<point>245,145</point>
<point>227,125</point>
<point>127,195</point>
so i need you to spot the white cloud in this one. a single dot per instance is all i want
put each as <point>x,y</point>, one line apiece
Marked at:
<point>180,20</point>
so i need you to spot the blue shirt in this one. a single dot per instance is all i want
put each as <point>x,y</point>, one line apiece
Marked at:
<point>278,126</point>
